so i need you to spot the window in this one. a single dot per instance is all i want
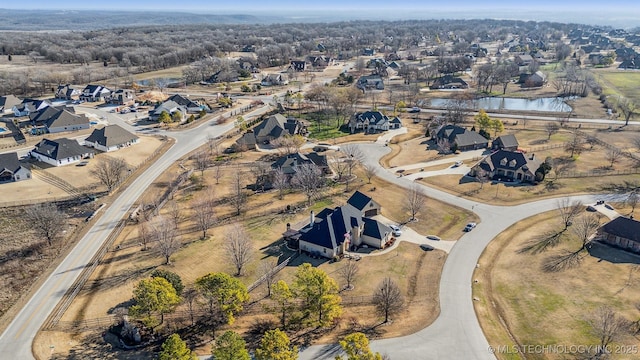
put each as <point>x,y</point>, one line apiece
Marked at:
<point>503,162</point>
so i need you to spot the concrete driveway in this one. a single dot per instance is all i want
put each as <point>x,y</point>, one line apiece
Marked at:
<point>411,236</point>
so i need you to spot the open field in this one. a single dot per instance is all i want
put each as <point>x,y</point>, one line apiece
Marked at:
<point>512,290</point>
<point>620,83</point>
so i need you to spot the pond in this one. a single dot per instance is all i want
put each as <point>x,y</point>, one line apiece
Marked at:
<point>548,104</point>
<point>167,81</point>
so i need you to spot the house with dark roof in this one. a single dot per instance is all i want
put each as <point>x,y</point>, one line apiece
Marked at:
<point>370,82</point>
<point>320,62</point>
<point>505,142</point>
<point>60,152</point>
<point>93,93</point>
<point>523,60</point>
<point>449,82</point>
<point>170,107</point>
<point>7,103</point>
<point>298,65</point>
<point>66,92</point>
<point>246,142</point>
<point>27,106</point>
<point>110,138</point>
<point>462,138</point>
<point>621,232</point>
<point>11,169</point>
<point>63,120</point>
<point>504,165</point>
<point>291,162</point>
<point>276,126</point>
<point>334,231</point>
<point>373,121</point>
<point>191,106</point>
<point>536,79</point>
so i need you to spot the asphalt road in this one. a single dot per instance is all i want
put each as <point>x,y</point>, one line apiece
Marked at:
<point>16,341</point>
<point>456,333</point>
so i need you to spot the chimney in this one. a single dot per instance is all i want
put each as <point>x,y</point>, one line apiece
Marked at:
<point>532,157</point>
<point>312,218</point>
<point>288,226</point>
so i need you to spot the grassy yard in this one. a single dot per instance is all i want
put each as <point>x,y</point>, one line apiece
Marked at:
<point>622,83</point>
<point>512,290</point>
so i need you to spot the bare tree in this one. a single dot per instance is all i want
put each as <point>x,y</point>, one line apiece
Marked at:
<point>308,178</point>
<point>203,210</point>
<point>388,298</point>
<point>568,210</point>
<point>238,195</point>
<point>190,295</point>
<point>415,200</point>
<point>280,182</point>
<point>339,167</point>
<point>482,176</point>
<point>636,143</point>
<point>607,326</point>
<point>632,200</point>
<point>238,247</point>
<point>217,171</point>
<point>627,108</point>
<point>201,161</point>
<point>165,232</point>
<point>551,128</point>
<point>110,171</point>
<point>288,144</point>
<point>144,234</point>
<point>443,145</point>
<point>583,229</point>
<point>214,145</point>
<point>46,221</point>
<point>174,211</point>
<point>370,170</point>
<point>574,146</point>
<point>613,155</point>
<point>268,269</point>
<point>348,273</point>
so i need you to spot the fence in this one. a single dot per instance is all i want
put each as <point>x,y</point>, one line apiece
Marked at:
<point>272,272</point>
<point>73,291</point>
<point>577,174</point>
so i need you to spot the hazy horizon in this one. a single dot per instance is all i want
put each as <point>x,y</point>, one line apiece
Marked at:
<point>614,13</point>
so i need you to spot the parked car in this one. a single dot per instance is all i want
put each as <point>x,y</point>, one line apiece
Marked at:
<point>415,109</point>
<point>433,237</point>
<point>395,230</point>
<point>470,226</point>
<point>457,163</point>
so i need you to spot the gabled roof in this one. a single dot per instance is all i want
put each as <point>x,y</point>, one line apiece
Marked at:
<point>276,126</point>
<point>167,106</point>
<point>290,162</point>
<point>65,118</point>
<point>506,141</point>
<point>374,117</point>
<point>9,162</point>
<point>32,105</point>
<point>623,227</point>
<point>61,148</point>
<point>359,200</point>
<point>111,135</point>
<point>9,101</point>
<point>512,160</point>
<point>374,228</point>
<point>329,231</point>
<point>181,100</point>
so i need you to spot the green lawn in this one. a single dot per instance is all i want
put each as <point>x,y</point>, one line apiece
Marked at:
<point>624,83</point>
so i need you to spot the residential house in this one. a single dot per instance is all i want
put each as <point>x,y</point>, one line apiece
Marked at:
<point>373,121</point>
<point>170,107</point>
<point>191,106</point>
<point>523,60</point>
<point>449,82</point>
<point>536,79</point>
<point>66,92</point>
<point>60,152</point>
<point>64,120</point>
<point>276,126</point>
<point>504,165</point>
<point>27,106</point>
<point>368,52</point>
<point>334,231</point>
<point>110,138</point>
<point>274,80</point>
<point>621,232</point>
<point>11,169</point>
<point>248,48</point>
<point>461,138</point>
<point>123,97</point>
<point>298,65</point>
<point>246,142</point>
<point>320,62</point>
<point>289,163</point>
<point>93,93</point>
<point>370,82</point>
<point>505,142</point>
<point>7,103</point>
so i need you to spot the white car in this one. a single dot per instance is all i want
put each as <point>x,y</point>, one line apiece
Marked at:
<point>395,230</point>
<point>457,163</point>
<point>470,226</point>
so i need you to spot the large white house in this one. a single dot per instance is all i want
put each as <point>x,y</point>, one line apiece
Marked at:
<point>60,152</point>
<point>110,138</point>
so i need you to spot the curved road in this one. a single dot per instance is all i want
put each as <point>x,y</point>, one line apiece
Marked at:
<point>17,339</point>
<point>456,333</point>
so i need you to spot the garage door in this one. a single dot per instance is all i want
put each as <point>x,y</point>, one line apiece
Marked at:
<point>372,212</point>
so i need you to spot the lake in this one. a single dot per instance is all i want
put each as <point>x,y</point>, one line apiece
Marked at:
<point>549,104</point>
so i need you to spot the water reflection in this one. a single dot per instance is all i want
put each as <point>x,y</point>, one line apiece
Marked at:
<point>548,104</point>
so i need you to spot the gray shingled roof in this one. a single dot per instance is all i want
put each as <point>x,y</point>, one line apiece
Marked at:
<point>65,118</point>
<point>9,162</point>
<point>623,227</point>
<point>111,135</point>
<point>358,200</point>
<point>9,101</point>
<point>61,148</point>
<point>507,141</point>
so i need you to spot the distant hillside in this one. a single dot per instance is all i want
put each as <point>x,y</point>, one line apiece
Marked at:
<point>35,20</point>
